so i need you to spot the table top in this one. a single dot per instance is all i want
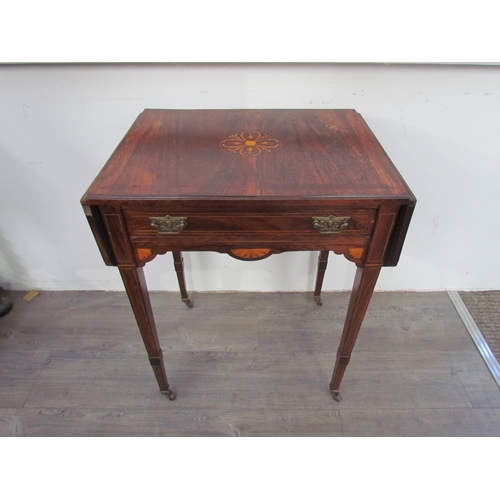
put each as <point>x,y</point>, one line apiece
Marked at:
<point>243,154</point>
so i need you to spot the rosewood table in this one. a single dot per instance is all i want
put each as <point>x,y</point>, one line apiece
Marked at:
<point>249,183</point>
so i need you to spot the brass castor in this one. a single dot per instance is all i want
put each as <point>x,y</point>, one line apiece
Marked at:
<point>318,300</point>
<point>170,394</point>
<point>336,396</point>
<point>189,303</point>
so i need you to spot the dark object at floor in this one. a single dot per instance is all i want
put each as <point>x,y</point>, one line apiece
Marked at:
<point>5,306</point>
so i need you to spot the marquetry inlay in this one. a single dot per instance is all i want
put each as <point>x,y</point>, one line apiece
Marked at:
<point>250,253</point>
<point>250,144</point>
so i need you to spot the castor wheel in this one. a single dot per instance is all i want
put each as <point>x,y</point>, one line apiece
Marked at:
<point>319,301</point>
<point>336,396</point>
<point>189,303</point>
<point>170,394</point>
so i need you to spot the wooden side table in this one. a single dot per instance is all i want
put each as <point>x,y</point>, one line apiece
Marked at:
<point>249,183</point>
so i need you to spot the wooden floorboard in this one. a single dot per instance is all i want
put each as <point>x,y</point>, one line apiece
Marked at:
<point>243,364</point>
<point>65,422</point>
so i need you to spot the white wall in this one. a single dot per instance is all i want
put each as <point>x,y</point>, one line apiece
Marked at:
<point>439,124</point>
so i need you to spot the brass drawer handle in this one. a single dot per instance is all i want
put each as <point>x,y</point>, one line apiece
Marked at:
<point>330,224</point>
<point>169,225</point>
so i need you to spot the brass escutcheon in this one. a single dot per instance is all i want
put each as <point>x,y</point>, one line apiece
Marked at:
<point>168,224</point>
<point>330,224</point>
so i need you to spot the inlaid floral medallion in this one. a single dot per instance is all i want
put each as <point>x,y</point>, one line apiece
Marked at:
<point>250,144</point>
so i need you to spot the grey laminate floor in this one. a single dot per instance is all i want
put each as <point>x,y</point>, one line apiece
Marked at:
<point>243,364</point>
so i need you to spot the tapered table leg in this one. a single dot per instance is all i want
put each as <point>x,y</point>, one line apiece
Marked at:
<point>135,285</point>
<point>179,269</point>
<point>364,283</point>
<point>322,263</point>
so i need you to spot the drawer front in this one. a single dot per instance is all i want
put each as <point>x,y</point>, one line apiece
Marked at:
<point>355,222</point>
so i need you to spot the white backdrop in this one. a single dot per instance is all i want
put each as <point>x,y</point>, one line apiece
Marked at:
<point>440,124</point>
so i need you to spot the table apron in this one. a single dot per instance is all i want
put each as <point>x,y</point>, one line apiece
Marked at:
<point>209,242</point>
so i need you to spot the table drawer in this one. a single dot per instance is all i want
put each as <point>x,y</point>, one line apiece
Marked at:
<point>356,222</point>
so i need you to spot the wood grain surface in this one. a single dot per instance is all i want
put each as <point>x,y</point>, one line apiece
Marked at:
<point>178,154</point>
